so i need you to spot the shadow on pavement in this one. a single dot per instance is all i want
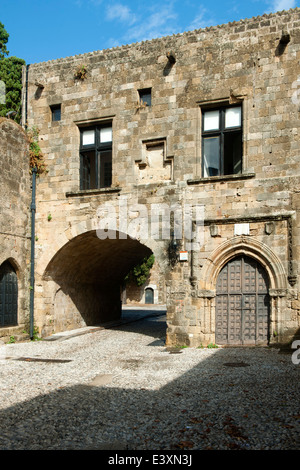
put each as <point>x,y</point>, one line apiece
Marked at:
<point>232,399</point>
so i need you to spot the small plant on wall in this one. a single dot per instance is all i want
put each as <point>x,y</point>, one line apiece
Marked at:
<point>140,105</point>
<point>36,157</point>
<point>81,72</point>
<point>139,274</point>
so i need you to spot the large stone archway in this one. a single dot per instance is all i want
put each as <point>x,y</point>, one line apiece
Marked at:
<point>84,278</point>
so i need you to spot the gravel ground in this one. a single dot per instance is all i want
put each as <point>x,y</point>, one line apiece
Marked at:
<point>121,388</point>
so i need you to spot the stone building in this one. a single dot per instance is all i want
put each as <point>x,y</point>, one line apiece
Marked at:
<point>201,128</point>
<point>15,197</point>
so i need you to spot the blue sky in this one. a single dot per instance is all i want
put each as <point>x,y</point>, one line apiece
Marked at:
<point>44,30</point>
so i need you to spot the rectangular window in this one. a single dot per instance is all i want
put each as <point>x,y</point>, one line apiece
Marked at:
<point>222,141</point>
<point>145,96</point>
<point>96,157</point>
<point>56,112</point>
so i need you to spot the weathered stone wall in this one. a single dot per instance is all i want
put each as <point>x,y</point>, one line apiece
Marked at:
<point>134,294</point>
<point>241,62</point>
<point>15,196</point>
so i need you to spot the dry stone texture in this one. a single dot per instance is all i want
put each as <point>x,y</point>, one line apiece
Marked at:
<point>157,162</point>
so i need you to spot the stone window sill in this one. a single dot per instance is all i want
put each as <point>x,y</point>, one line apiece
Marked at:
<point>92,192</point>
<point>210,179</point>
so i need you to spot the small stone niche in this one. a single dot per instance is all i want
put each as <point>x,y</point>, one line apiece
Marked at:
<point>154,165</point>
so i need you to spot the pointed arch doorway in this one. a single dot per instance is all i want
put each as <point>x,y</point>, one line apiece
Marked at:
<point>242,303</point>
<point>8,295</point>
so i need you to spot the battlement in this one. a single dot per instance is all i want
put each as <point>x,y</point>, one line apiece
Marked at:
<point>269,22</point>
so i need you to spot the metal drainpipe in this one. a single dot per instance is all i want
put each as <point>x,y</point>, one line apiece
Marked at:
<point>33,210</point>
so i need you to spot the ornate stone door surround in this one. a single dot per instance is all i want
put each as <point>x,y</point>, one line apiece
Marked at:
<point>253,248</point>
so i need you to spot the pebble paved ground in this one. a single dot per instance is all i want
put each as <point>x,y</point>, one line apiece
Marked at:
<point>121,388</point>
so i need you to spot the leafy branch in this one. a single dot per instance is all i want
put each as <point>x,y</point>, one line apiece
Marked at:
<point>139,274</point>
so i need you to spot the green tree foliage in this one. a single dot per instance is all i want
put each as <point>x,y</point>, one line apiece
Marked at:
<point>139,274</point>
<point>3,41</point>
<point>11,77</point>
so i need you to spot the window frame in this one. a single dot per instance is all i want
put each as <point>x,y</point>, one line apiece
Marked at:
<point>221,132</point>
<point>98,148</point>
<point>145,92</point>
<point>54,108</point>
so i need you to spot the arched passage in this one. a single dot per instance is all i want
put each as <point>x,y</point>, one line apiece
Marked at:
<point>88,273</point>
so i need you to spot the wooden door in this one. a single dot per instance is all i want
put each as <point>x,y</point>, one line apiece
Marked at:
<point>242,303</point>
<point>8,295</point>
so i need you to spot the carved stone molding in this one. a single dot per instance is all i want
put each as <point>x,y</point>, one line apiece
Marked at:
<point>248,246</point>
<point>207,294</point>
<point>277,292</point>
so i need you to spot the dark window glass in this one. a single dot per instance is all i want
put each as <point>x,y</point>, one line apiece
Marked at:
<point>222,141</point>
<point>105,168</point>
<point>88,172</point>
<point>211,155</point>
<point>56,112</point>
<point>145,96</point>
<point>96,157</point>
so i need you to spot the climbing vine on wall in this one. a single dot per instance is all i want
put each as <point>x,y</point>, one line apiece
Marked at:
<point>35,154</point>
<point>139,274</point>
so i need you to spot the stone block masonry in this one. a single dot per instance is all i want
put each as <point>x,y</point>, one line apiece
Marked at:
<point>242,167</point>
<point>15,197</point>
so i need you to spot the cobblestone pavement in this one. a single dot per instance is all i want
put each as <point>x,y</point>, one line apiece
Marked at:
<point>122,388</point>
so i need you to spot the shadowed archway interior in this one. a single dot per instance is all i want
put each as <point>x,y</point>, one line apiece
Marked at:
<point>89,272</point>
